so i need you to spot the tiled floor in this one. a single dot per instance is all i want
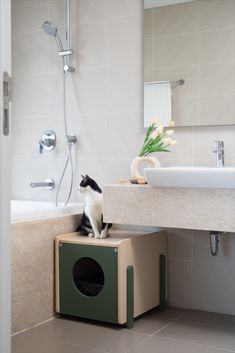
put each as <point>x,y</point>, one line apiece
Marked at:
<point>171,331</point>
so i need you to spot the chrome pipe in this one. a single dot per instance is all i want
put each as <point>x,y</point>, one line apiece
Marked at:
<point>48,184</point>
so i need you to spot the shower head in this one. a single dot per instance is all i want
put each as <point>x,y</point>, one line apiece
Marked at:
<point>50,28</point>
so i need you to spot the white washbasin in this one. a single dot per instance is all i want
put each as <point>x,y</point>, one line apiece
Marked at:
<point>195,177</point>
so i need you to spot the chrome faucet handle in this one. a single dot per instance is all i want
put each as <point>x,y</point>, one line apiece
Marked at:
<point>48,141</point>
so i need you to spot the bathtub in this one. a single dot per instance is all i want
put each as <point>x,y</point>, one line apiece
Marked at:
<point>22,210</point>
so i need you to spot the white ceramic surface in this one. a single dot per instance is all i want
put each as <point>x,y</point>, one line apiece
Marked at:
<point>198,177</point>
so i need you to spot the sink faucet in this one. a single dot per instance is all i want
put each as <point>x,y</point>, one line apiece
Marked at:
<point>219,154</point>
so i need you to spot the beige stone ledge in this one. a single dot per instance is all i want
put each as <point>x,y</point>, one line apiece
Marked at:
<point>186,208</point>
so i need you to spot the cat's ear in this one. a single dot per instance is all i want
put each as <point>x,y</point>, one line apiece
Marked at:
<point>87,176</point>
<point>83,177</point>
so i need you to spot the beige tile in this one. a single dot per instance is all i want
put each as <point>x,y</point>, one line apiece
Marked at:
<point>175,51</point>
<point>180,243</point>
<point>215,338</point>
<point>217,110</point>
<point>30,53</point>
<point>30,96</point>
<point>87,11</point>
<point>117,169</point>
<point>209,42</point>
<point>125,135</point>
<point>201,248</point>
<point>179,18</point>
<point>124,8</point>
<point>89,45</point>
<point>57,12</point>
<point>147,75</point>
<point>188,73</point>
<point>209,283</point>
<point>216,14</point>
<point>147,23</point>
<point>179,283</point>
<point>184,111</point>
<point>90,335</point>
<point>86,92</point>
<point>216,79</point>
<point>148,54</point>
<point>38,10</point>
<point>25,133</point>
<point>120,33</point>
<point>124,91</point>
<point>203,142</point>
<point>165,345</point>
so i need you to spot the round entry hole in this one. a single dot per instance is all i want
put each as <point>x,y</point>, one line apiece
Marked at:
<point>88,276</point>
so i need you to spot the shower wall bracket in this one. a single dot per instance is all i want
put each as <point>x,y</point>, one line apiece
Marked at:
<point>214,241</point>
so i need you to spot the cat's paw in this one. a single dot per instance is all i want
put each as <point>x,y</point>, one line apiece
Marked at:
<point>97,236</point>
<point>104,234</point>
<point>91,235</point>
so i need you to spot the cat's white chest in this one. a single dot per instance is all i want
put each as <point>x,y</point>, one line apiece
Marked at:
<point>94,205</point>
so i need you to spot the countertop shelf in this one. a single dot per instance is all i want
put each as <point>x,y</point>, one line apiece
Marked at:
<point>186,208</point>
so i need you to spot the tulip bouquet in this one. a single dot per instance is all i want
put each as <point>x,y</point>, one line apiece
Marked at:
<point>157,139</point>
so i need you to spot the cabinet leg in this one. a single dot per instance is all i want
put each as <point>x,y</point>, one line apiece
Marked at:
<point>130,297</point>
<point>162,284</point>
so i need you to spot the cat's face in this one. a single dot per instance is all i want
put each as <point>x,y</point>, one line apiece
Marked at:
<point>88,184</point>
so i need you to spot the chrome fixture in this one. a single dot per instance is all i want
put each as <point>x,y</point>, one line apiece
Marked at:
<point>7,98</point>
<point>65,54</point>
<point>219,154</point>
<point>214,241</point>
<point>179,82</point>
<point>48,141</point>
<point>47,183</point>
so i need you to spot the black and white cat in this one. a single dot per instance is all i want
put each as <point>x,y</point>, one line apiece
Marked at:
<point>92,218</point>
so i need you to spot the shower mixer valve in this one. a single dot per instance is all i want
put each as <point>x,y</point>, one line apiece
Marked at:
<point>48,141</point>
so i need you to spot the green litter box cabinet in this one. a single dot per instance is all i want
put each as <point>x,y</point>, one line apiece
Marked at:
<point>113,279</point>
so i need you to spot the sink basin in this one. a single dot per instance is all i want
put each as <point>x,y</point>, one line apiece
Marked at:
<point>194,177</point>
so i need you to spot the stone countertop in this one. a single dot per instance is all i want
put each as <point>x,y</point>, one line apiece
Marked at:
<point>186,208</point>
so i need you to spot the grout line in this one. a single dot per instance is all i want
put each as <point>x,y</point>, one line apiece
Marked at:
<point>31,327</point>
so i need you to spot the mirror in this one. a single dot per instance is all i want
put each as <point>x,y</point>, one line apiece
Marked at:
<point>192,41</point>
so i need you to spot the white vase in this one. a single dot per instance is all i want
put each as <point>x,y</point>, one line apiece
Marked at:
<point>152,162</point>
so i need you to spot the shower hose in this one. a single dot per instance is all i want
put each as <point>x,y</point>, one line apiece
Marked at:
<point>69,143</point>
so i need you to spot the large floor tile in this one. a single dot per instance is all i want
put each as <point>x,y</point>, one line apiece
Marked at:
<point>157,344</point>
<point>29,344</point>
<point>216,337</point>
<point>211,319</point>
<point>88,334</point>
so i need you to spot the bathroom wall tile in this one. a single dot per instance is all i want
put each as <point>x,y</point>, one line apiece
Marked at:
<point>57,12</point>
<point>202,252</point>
<point>147,75</point>
<point>148,55</point>
<point>179,283</point>
<point>117,169</point>
<point>125,135</point>
<point>23,172</point>
<point>180,18</point>
<point>203,142</point>
<point>180,243</point>
<point>88,43</point>
<point>25,138</point>
<point>123,90</point>
<point>170,161</point>
<point>30,96</point>
<point>187,73</point>
<point>209,42</point>
<point>38,10</point>
<point>209,283</point>
<point>86,92</point>
<point>87,11</point>
<point>216,14</point>
<point>175,51</point>
<point>185,111</point>
<point>147,23</point>
<point>120,32</point>
<point>30,53</point>
<point>216,79</point>
<point>212,110</point>
<point>124,8</point>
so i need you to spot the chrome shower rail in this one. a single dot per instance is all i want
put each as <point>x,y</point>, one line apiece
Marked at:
<point>179,82</point>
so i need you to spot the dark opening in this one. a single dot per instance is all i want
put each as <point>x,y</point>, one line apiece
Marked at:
<point>88,276</point>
